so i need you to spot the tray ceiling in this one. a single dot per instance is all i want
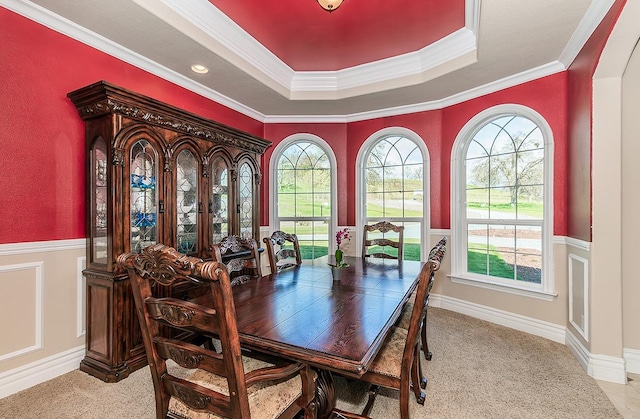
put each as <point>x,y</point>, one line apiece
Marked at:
<point>293,61</point>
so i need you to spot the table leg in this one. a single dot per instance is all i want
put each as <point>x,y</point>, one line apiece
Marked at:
<point>325,394</point>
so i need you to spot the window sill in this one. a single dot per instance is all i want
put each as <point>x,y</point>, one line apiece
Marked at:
<point>481,283</point>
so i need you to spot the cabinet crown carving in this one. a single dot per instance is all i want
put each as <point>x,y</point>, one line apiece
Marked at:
<point>104,98</point>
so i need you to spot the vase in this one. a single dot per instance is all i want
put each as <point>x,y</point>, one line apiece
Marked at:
<point>336,273</point>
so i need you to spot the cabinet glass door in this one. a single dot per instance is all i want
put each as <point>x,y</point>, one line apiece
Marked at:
<point>219,206</point>
<point>99,202</point>
<point>187,202</point>
<point>144,198</point>
<point>245,206</point>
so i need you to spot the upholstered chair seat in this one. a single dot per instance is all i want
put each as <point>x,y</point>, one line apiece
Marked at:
<point>405,316</point>
<point>266,399</point>
<point>387,361</point>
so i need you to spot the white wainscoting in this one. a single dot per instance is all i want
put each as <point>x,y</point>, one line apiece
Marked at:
<point>579,294</point>
<point>81,298</point>
<point>37,299</point>
<point>22,377</point>
<point>57,334</point>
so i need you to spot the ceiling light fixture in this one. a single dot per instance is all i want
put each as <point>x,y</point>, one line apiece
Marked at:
<point>199,68</point>
<point>330,5</point>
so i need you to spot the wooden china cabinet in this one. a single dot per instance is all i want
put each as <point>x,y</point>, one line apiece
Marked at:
<point>155,174</point>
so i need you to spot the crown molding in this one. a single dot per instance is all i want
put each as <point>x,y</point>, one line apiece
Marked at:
<point>514,80</point>
<point>590,21</point>
<point>448,54</point>
<point>214,30</point>
<point>206,24</point>
<point>273,70</point>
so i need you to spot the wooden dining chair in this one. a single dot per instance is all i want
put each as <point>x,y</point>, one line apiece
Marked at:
<point>437,253</point>
<point>397,364</point>
<point>381,246</point>
<point>201,383</point>
<point>241,258</point>
<point>283,250</point>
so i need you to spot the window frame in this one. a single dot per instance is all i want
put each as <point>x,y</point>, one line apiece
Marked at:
<point>361,160</point>
<point>459,273</point>
<point>274,220</point>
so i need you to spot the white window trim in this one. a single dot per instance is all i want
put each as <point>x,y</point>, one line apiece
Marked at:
<point>361,190</point>
<point>545,290</point>
<point>275,156</point>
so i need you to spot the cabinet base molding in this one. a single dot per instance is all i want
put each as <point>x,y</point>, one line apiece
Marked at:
<point>109,374</point>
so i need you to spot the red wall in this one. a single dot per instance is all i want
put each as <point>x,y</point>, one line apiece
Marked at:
<point>438,129</point>
<point>428,126</point>
<point>42,148</point>
<point>335,135</point>
<point>580,92</point>
<point>42,144</point>
<point>547,97</point>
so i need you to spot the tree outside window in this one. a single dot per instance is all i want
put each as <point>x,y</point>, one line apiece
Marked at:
<point>504,196</point>
<point>303,189</point>
<point>394,186</point>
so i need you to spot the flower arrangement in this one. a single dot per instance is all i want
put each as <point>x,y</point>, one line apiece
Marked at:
<point>340,237</point>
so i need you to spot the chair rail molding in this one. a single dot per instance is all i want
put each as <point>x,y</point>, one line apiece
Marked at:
<point>42,246</point>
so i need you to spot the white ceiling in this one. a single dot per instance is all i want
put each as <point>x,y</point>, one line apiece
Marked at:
<point>504,43</point>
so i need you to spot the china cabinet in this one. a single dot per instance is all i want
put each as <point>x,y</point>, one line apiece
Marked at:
<point>155,174</point>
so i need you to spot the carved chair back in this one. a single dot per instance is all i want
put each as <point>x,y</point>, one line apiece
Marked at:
<point>283,250</point>
<point>241,258</point>
<point>381,246</point>
<point>219,383</point>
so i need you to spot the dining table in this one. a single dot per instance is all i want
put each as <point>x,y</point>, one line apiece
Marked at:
<point>336,326</point>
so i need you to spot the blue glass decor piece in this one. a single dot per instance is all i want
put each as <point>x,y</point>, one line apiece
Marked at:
<point>148,182</point>
<point>143,182</point>
<point>145,219</point>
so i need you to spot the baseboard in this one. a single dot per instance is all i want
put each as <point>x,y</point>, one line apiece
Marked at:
<point>578,350</point>
<point>632,360</point>
<point>529,325</point>
<point>37,372</point>
<point>600,367</point>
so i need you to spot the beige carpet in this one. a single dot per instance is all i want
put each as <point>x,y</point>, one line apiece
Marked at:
<point>479,370</point>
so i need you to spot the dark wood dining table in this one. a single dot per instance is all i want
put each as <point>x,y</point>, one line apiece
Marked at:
<point>304,315</point>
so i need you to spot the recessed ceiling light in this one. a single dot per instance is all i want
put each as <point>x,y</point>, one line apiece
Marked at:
<point>199,68</point>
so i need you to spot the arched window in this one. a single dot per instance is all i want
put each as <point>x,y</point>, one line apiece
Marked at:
<point>393,179</point>
<point>302,188</point>
<point>502,199</point>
